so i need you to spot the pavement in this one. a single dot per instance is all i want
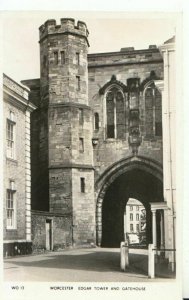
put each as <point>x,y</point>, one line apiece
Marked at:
<point>80,265</point>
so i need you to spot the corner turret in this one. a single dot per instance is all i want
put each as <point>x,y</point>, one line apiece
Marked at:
<point>67,25</point>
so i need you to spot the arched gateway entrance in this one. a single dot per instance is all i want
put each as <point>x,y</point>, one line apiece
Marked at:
<point>135,177</point>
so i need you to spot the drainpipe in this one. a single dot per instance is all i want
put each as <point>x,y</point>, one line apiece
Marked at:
<point>170,153</point>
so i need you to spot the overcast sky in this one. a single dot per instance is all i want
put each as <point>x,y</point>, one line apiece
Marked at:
<point>107,32</point>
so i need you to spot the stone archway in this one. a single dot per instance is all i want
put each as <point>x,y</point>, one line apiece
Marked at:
<point>123,170</point>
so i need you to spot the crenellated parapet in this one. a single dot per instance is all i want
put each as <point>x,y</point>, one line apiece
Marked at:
<point>66,26</point>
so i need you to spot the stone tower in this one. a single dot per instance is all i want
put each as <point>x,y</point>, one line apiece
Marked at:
<point>66,137</point>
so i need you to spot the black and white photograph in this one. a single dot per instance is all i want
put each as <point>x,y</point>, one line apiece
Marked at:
<point>90,139</point>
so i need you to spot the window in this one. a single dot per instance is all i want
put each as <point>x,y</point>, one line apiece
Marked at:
<point>158,113</point>
<point>62,55</point>
<point>131,217</point>
<point>158,129</point>
<point>115,114</point>
<point>137,227</point>
<point>11,136</point>
<point>77,58</point>
<point>153,111</point>
<point>44,60</point>
<point>81,145</point>
<point>96,121</point>
<point>10,206</point>
<point>131,227</point>
<point>137,207</point>
<point>56,58</point>
<point>82,184</point>
<point>131,207</point>
<point>137,217</point>
<point>78,82</point>
<point>81,116</point>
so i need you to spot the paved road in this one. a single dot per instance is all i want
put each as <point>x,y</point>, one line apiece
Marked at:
<point>77,265</point>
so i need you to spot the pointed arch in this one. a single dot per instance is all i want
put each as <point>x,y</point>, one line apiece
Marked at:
<point>114,81</point>
<point>124,166</point>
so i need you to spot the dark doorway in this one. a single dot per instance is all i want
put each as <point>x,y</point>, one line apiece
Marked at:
<point>136,184</point>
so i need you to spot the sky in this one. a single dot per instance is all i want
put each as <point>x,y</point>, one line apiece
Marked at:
<point>107,32</point>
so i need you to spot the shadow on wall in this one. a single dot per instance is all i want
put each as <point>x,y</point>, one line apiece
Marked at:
<point>16,248</point>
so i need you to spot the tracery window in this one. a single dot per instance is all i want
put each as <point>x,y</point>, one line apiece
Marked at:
<point>153,111</point>
<point>115,114</point>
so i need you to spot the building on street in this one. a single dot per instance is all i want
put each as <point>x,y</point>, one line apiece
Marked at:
<point>16,166</point>
<point>135,222</point>
<point>100,136</point>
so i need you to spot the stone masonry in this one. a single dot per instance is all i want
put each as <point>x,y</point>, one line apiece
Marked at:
<point>96,113</point>
<point>65,127</point>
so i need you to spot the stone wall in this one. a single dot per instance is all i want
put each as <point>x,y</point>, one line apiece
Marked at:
<point>61,230</point>
<point>67,148</point>
<point>83,207</point>
<point>39,148</point>
<point>60,66</point>
<point>122,65</point>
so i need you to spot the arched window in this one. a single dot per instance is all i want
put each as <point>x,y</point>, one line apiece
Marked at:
<point>153,111</point>
<point>96,121</point>
<point>115,114</point>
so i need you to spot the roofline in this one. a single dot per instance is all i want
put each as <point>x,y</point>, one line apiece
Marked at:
<point>19,84</point>
<point>124,52</point>
<point>30,83</point>
<point>18,101</point>
<point>103,65</point>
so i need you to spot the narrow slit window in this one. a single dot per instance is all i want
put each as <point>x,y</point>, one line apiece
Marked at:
<point>81,119</point>
<point>120,120</point>
<point>96,117</point>
<point>56,58</point>
<point>81,145</point>
<point>78,83</point>
<point>44,61</point>
<point>63,60</point>
<point>77,58</point>
<point>82,184</point>
<point>158,129</point>
<point>158,113</point>
<point>110,115</point>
